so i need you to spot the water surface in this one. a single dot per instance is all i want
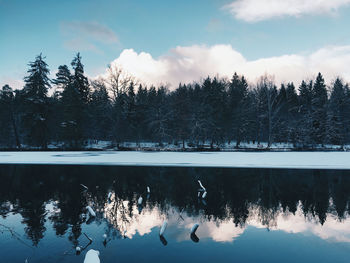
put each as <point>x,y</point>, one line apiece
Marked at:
<point>248,215</point>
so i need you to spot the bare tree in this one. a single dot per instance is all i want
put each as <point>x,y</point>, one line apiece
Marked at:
<point>270,105</point>
<point>118,80</point>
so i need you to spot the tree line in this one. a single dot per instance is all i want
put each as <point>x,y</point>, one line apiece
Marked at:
<point>72,110</point>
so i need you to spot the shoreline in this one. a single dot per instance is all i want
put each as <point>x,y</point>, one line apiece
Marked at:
<point>279,160</point>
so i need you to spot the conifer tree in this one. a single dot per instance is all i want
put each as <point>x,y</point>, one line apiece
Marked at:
<point>80,81</point>
<point>35,105</point>
<point>63,79</point>
<point>237,104</point>
<point>304,124</point>
<point>8,121</point>
<point>336,117</point>
<point>75,98</point>
<point>292,108</point>
<point>99,112</point>
<point>180,114</point>
<point>318,110</point>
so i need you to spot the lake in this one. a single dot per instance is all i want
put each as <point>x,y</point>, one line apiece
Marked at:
<point>247,215</point>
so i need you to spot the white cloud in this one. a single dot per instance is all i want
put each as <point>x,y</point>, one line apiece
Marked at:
<point>258,10</point>
<point>188,64</point>
<point>14,83</point>
<point>83,35</point>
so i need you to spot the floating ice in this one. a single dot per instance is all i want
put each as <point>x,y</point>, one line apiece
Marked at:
<point>91,211</point>
<point>162,229</point>
<point>92,256</point>
<point>194,228</point>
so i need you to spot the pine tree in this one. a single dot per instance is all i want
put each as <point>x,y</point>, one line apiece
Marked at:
<point>336,116</point>
<point>318,110</point>
<point>237,104</point>
<point>8,120</point>
<point>214,100</point>
<point>304,124</point>
<point>35,105</point>
<point>63,79</point>
<point>80,82</point>
<point>72,132</point>
<point>99,112</point>
<point>158,115</point>
<point>282,130</point>
<point>140,114</point>
<point>293,106</point>
<point>180,114</point>
<point>198,115</point>
<point>75,99</point>
<point>130,112</point>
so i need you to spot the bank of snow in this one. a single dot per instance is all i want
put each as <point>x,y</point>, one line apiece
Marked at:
<point>302,160</point>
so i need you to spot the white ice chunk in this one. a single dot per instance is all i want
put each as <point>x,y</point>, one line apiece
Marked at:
<point>92,256</point>
<point>139,201</point>
<point>194,228</point>
<point>91,211</point>
<point>162,229</point>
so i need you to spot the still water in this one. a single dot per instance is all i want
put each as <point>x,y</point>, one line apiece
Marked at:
<point>248,215</point>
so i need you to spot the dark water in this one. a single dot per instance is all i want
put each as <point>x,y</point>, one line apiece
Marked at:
<point>248,215</point>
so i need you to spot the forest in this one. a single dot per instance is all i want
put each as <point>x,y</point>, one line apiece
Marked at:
<point>72,110</point>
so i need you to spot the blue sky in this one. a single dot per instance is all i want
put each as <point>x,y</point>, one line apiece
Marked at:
<point>102,30</point>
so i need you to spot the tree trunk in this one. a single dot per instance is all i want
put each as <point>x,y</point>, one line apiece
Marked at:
<point>18,144</point>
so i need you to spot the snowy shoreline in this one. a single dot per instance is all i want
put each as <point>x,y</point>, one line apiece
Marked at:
<point>291,160</point>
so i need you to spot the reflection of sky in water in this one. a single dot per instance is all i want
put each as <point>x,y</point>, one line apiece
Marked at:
<point>180,223</point>
<point>141,230</point>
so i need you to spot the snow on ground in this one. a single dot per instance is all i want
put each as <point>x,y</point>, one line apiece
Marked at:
<point>302,160</point>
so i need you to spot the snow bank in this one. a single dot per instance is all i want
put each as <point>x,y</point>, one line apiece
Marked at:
<point>302,160</point>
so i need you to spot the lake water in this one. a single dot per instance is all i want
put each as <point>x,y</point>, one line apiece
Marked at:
<point>248,215</point>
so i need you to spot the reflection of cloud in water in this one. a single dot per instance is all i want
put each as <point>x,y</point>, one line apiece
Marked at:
<point>131,222</point>
<point>223,231</point>
<point>332,230</point>
<point>118,214</point>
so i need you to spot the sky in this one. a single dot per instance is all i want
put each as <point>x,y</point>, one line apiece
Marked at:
<point>167,42</point>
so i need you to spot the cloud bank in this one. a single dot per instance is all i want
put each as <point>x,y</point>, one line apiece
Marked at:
<point>258,10</point>
<point>191,63</point>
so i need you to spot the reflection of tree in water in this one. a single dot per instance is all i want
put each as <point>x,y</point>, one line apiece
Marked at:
<point>232,194</point>
<point>33,213</point>
<point>118,214</point>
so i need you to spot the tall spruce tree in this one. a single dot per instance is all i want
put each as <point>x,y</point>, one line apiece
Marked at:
<point>337,116</point>
<point>237,108</point>
<point>141,113</point>
<point>35,101</point>
<point>74,101</point>
<point>180,114</point>
<point>99,112</point>
<point>318,110</point>
<point>158,115</point>
<point>63,79</point>
<point>304,124</point>
<point>281,134</point>
<point>71,127</point>
<point>130,110</point>
<point>80,81</point>
<point>198,115</point>
<point>292,108</point>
